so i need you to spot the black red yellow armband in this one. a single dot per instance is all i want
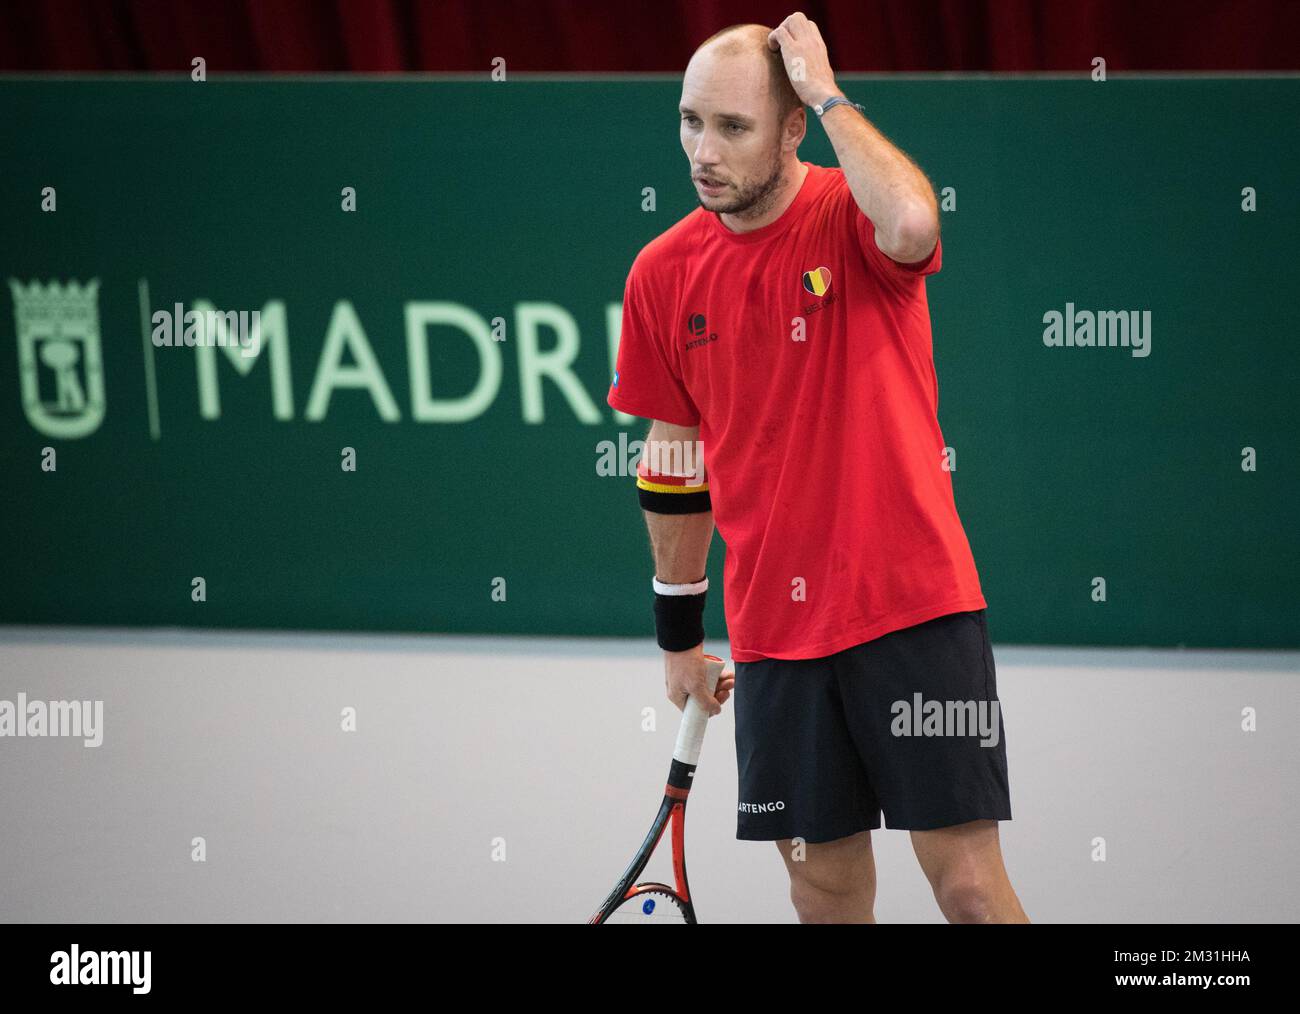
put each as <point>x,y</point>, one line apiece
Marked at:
<point>672,494</point>
<point>679,614</point>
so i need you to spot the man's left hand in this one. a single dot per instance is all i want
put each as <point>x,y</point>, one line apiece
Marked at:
<point>807,63</point>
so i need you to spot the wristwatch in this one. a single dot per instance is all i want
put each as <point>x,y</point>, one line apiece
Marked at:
<point>838,100</point>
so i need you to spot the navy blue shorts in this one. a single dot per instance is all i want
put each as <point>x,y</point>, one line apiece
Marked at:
<point>908,724</point>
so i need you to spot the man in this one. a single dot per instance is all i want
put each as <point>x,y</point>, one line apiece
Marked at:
<point>783,326</point>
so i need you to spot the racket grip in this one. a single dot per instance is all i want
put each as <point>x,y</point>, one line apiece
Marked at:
<point>690,735</point>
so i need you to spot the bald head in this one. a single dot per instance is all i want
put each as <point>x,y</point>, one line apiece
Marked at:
<point>747,44</point>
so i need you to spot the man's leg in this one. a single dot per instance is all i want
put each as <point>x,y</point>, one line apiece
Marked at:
<point>945,781</point>
<point>800,779</point>
<point>964,866</point>
<point>834,881</point>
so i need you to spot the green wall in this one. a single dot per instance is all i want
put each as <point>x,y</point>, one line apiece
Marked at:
<point>523,201</point>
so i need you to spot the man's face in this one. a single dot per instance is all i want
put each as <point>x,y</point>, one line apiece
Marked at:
<point>730,132</point>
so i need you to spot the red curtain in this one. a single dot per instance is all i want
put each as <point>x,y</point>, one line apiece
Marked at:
<point>642,35</point>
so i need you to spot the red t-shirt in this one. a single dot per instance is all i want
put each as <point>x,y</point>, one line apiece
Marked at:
<point>824,455</point>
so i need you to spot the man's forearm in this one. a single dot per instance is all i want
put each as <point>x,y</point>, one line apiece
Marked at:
<point>680,543</point>
<point>889,188</point>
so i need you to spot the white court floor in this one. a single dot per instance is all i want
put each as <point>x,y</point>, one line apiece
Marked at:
<point>509,779</point>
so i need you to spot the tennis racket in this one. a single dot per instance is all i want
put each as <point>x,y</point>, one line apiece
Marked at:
<point>653,903</point>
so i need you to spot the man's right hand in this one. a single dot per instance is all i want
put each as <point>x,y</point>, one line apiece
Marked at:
<point>685,675</point>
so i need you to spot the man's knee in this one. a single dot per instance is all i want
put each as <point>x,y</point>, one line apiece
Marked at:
<point>832,885</point>
<point>821,899</point>
<point>966,897</point>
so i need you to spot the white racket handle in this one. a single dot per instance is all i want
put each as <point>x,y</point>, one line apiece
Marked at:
<point>690,736</point>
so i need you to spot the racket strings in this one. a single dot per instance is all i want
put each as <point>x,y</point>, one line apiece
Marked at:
<point>649,908</point>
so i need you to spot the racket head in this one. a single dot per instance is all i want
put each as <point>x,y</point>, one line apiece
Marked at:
<point>652,904</point>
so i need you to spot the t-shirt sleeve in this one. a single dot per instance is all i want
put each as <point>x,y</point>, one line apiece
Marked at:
<point>646,382</point>
<point>904,276</point>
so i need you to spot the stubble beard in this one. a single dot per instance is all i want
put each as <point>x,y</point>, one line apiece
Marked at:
<point>756,199</point>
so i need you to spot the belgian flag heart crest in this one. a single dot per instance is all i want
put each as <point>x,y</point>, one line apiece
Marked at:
<point>817,281</point>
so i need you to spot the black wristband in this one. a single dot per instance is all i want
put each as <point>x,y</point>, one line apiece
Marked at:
<point>679,621</point>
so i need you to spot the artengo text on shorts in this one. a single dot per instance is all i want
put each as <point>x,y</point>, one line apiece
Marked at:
<point>761,807</point>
